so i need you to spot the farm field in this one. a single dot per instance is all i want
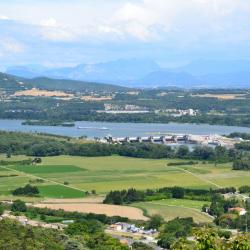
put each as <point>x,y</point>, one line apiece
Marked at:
<point>110,210</point>
<point>172,208</point>
<point>68,177</point>
<point>38,92</point>
<point>57,191</point>
<point>115,173</point>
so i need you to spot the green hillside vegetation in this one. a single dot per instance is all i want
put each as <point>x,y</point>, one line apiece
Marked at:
<point>84,235</point>
<point>10,84</point>
<point>73,86</point>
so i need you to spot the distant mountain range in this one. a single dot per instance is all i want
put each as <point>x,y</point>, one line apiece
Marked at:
<point>148,74</point>
<point>11,83</point>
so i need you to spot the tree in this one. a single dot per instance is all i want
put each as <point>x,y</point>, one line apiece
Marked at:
<point>241,242</point>
<point>174,229</point>
<point>178,192</point>
<point>18,206</point>
<point>8,155</point>
<point>141,246</point>
<point>155,222</point>
<point>37,160</point>
<point>182,152</point>
<point>207,239</point>
<point>43,217</point>
<point>244,189</point>
<point>182,244</point>
<point>28,190</point>
<point>1,209</point>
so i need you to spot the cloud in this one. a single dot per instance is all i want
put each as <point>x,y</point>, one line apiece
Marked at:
<point>3,17</point>
<point>169,29</point>
<point>184,20</point>
<point>50,22</point>
<point>52,30</point>
<point>9,45</point>
<point>142,20</point>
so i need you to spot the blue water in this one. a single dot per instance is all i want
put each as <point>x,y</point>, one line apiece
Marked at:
<point>122,129</point>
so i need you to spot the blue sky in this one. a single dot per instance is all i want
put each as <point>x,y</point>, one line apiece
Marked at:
<point>172,32</point>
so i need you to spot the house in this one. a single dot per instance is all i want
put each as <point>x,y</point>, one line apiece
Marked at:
<point>116,227</point>
<point>239,210</point>
<point>126,227</point>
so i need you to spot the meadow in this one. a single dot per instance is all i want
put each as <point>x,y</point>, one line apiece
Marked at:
<point>171,208</point>
<point>71,177</point>
<point>103,174</point>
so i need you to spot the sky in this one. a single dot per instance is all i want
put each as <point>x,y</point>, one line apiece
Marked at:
<point>58,33</point>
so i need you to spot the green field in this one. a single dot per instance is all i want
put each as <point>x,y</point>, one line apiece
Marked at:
<point>56,191</point>
<point>109,173</point>
<point>47,169</point>
<point>172,208</point>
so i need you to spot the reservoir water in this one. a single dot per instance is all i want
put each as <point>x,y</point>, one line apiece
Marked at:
<point>102,129</point>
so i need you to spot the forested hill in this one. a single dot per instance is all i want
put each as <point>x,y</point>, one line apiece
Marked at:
<point>10,83</point>
<point>71,85</point>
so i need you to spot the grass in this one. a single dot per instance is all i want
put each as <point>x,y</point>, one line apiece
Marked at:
<point>172,208</point>
<point>182,203</point>
<point>57,191</point>
<point>110,173</point>
<point>47,169</point>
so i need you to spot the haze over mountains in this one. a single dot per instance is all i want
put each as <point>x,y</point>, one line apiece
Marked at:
<point>147,73</point>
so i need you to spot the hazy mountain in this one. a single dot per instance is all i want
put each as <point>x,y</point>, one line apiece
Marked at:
<point>147,73</point>
<point>166,78</point>
<point>185,80</point>
<point>232,79</point>
<point>12,83</point>
<point>113,71</point>
<point>206,67</point>
<point>27,71</point>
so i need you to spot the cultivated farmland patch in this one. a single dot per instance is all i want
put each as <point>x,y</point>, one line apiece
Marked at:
<point>47,169</point>
<point>57,191</point>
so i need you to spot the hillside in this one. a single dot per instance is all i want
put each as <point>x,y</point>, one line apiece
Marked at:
<point>10,84</point>
<point>117,71</point>
<point>72,85</point>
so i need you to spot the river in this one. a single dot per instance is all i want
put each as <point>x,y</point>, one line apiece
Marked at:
<point>95,129</point>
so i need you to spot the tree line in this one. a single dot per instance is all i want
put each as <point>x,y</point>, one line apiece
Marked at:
<point>131,195</point>
<point>41,145</point>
